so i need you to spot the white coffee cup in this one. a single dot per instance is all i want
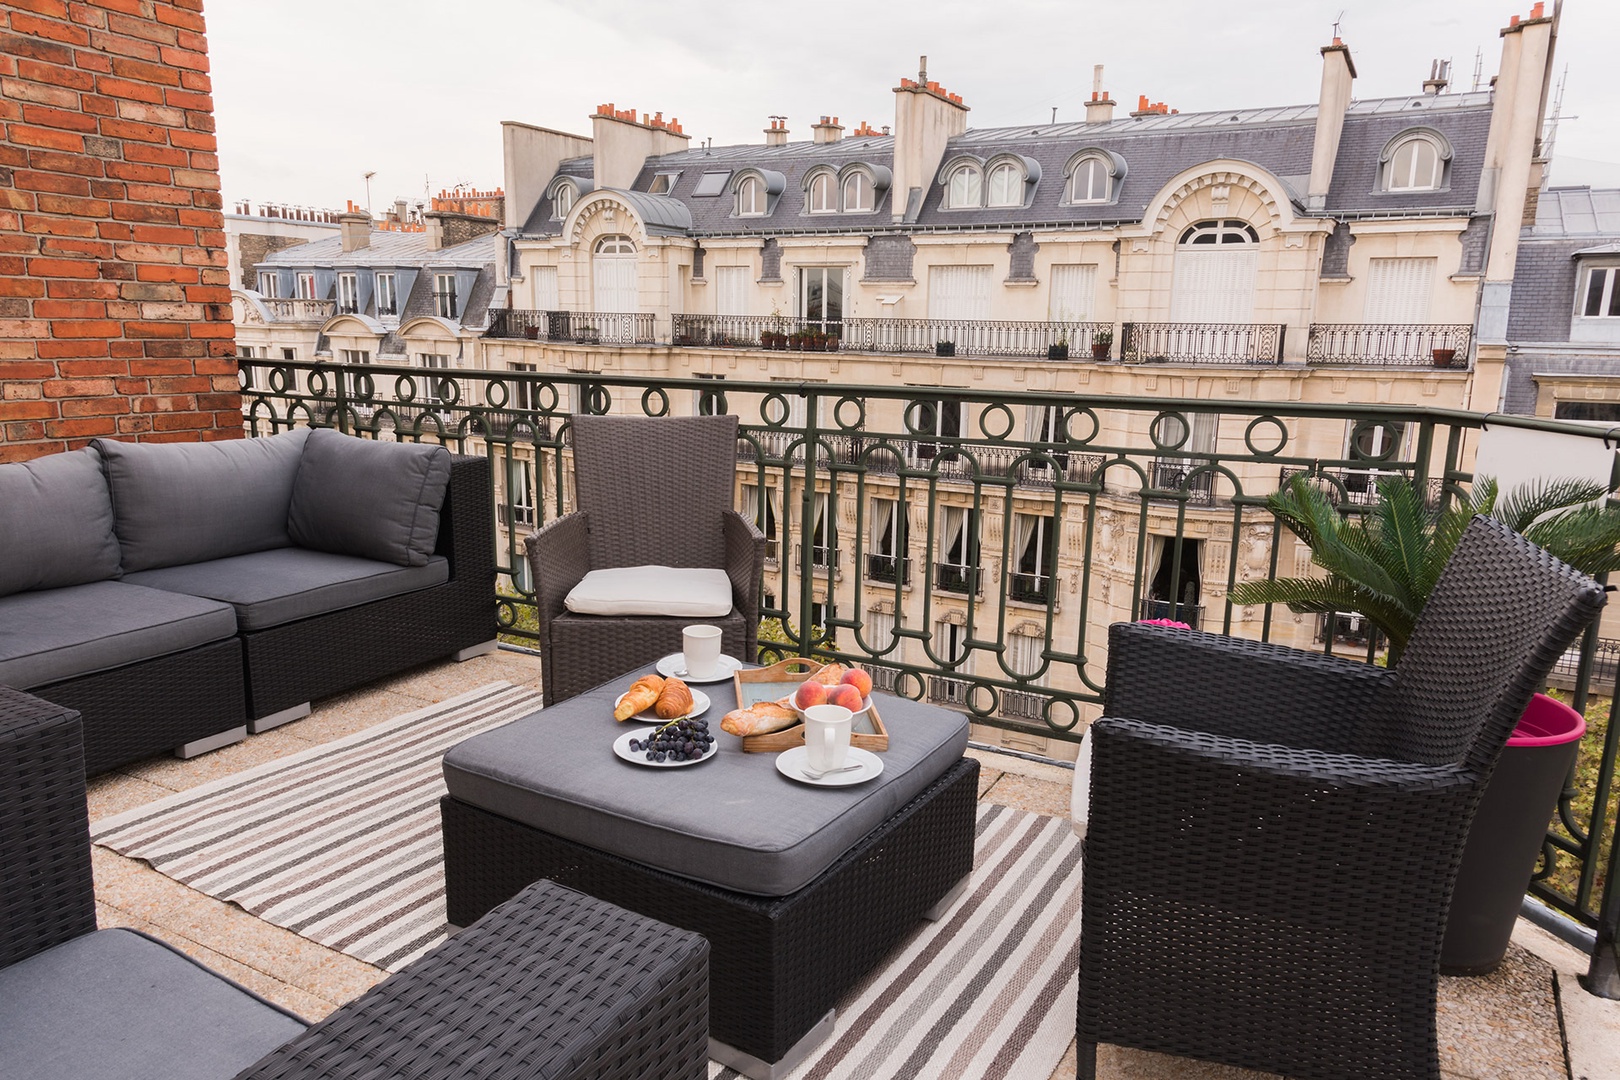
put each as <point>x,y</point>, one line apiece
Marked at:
<point>701,651</point>
<point>826,736</point>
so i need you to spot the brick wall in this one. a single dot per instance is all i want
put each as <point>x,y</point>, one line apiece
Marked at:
<point>115,306</point>
<point>254,248</point>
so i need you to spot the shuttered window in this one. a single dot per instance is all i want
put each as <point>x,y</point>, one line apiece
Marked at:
<point>545,289</point>
<point>958,292</point>
<point>731,290</point>
<point>615,274</point>
<point>1398,290</point>
<point>1073,292</point>
<point>1213,284</point>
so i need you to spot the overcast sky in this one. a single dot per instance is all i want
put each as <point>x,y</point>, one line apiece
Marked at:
<point>311,94</point>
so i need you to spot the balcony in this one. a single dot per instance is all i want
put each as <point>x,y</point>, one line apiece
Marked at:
<point>1389,344</point>
<point>960,580</point>
<point>574,327</point>
<point>1180,477</point>
<point>888,568</point>
<point>1359,487</point>
<point>296,312</point>
<point>1201,343</point>
<point>908,337</point>
<point>1029,588</point>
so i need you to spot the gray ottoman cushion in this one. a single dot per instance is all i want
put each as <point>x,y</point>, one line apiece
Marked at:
<point>118,1004</point>
<point>63,633</point>
<point>376,500</point>
<point>269,588</point>
<point>56,523</point>
<point>180,503</point>
<point>731,821</point>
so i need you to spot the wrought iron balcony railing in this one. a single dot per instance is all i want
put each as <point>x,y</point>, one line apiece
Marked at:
<point>574,327</point>
<point>1184,475</point>
<point>1359,487</point>
<point>1116,529</point>
<point>285,309</point>
<point>1390,344</point>
<point>914,337</point>
<point>1201,343</point>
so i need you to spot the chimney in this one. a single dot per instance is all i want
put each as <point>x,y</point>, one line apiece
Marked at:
<point>827,131</point>
<point>1439,77</point>
<point>354,230</point>
<point>1144,107</point>
<point>926,116</point>
<point>621,144</point>
<point>777,133</point>
<point>401,211</point>
<point>1338,73</point>
<point>1100,109</point>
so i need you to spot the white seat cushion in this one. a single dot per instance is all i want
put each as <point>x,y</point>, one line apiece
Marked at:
<point>652,590</point>
<point>1080,795</point>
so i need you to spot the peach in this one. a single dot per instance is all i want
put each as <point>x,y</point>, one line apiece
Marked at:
<point>847,696</point>
<point>860,680</point>
<point>810,693</point>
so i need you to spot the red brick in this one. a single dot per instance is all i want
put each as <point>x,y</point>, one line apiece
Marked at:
<point>213,330</point>
<point>86,15</point>
<point>86,427</point>
<point>149,272</point>
<point>61,268</point>
<point>27,410</point>
<point>51,137</point>
<point>163,74</point>
<point>200,121</point>
<point>57,162</point>
<point>46,116</point>
<point>207,219</point>
<point>194,140</point>
<point>128,90</point>
<point>184,384</point>
<point>69,309</point>
<point>100,106</point>
<point>120,45</point>
<point>163,234</point>
<point>141,212</point>
<point>123,170</point>
<point>24,369</point>
<point>170,349</point>
<point>41,93</point>
<point>127,350</point>
<point>113,230</point>
<point>175,17</point>
<point>88,328</point>
<point>61,388</point>
<point>128,7</point>
<point>134,425</point>
<point>185,58</point>
<point>83,290</point>
<point>143,113</point>
<point>163,329</point>
<point>76,369</point>
<point>58,72</point>
<point>101,406</point>
<point>49,28</point>
<point>222,367</point>
<point>186,99</point>
<point>34,48</point>
<point>25,446</point>
<point>208,294</point>
<point>196,80</point>
<point>156,155</point>
<point>57,226</point>
<point>71,247</point>
<point>54,9</point>
<point>10,221</point>
<point>107,189</point>
<point>21,286</point>
<point>69,204</point>
<point>149,253</point>
<point>126,129</point>
<point>53,182</point>
<point>92,60</point>
<point>11,199</point>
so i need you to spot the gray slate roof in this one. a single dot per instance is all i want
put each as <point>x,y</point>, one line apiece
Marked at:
<point>386,249</point>
<point>1577,211</point>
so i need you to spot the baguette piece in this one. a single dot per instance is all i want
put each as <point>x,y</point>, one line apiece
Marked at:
<point>674,700</point>
<point>831,675</point>
<point>641,696</point>
<point>760,718</point>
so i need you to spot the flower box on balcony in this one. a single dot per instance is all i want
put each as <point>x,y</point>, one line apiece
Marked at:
<point>945,348</point>
<point>1057,352</point>
<point>1443,358</point>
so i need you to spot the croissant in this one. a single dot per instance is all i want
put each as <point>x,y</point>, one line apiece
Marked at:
<point>675,700</point>
<point>640,697</point>
<point>760,718</point>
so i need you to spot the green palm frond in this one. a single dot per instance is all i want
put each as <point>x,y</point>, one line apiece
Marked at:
<point>1526,505</point>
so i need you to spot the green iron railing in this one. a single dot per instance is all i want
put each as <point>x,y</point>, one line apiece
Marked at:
<point>971,547</point>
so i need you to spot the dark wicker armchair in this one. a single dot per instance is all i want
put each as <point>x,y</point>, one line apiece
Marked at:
<point>649,491</point>
<point>1274,834</point>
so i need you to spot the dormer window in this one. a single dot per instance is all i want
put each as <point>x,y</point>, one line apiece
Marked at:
<point>1415,161</point>
<point>1600,298</point>
<point>857,192</point>
<point>964,188</point>
<point>662,183</point>
<point>1090,181</point>
<point>1006,186</point>
<point>562,201</point>
<point>750,197</point>
<point>823,194</point>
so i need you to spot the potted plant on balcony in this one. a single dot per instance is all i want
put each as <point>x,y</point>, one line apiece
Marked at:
<point>1384,567</point>
<point>1059,350</point>
<point>1443,357</point>
<point>945,348</point>
<point>1102,343</point>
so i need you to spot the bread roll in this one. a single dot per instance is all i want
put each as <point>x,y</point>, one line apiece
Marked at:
<point>640,697</point>
<point>760,718</point>
<point>674,701</point>
<point>831,675</point>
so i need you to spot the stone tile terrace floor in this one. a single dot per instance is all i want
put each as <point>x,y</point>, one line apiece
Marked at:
<point>1509,1024</point>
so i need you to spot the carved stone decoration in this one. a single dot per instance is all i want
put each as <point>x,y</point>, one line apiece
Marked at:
<point>1254,552</point>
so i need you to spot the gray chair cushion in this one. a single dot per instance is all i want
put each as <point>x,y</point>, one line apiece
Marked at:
<point>118,1004</point>
<point>376,500</point>
<point>269,588</point>
<point>179,503</point>
<point>58,634</point>
<point>56,523</point>
<point>731,821</point>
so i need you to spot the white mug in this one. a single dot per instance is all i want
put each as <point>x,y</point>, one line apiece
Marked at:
<point>701,651</point>
<point>826,736</point>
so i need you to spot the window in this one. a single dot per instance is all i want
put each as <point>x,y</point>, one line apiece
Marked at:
<point>292,354</point>
<point>1377,442</point>
<point>963,188</point>
<point>1414,165</point>
<point>350,356</point>
<point>269,284</point>
<point>545,288</point>
<point>1220,232</point>
<point>1600,299</point>
<point>562,201</point>
<point>943,418</point>
<point>823,194</point>
<point>305,283</point>
<point>1073,294</point>
<point>1090,181</point>
<point>879,632</point>
<point>588,398</point>
<point>823,538</point>
<point>731,290</point>
<point>821,296</point>
<point>711,184</point>
<point>348,294</point>
<point>1046,424</point>
<point>1024,656</point>
<point>709,402</point>
<point>1398,290</point>
<point>387,298</point>
<point>857,192</point>
<point>435,390</point>
<point>750,197</point>
<point>1035,555</point>
<point>762,512</point>
<point>1214,276</point>
<point>887,561</point>
<point>662,183</point>
<point>950,643</point>
<point>519,492</point>
<point>525,395</point>
<point>957,293</point>
<point>445,304</point>
<point>1006,186</point>
<point>958,570</point>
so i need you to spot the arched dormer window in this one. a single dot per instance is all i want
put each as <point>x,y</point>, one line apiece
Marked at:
<point>1093,177</point>
<point>562,200</point>
<point>823,193</point>
<point>1415,160</point>
<point>1225,231</point>
<point>964,188</point>
<point>1006,186</point>
<point>615,245</point>
<point>757,192</point>
<point>857,193</point>
<point>750,197</point>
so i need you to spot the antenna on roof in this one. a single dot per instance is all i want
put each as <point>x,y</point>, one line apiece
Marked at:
<point>1336,23</point>
<point>1550,134</point>
<point>1479,67</point>
<point>1054,114</point>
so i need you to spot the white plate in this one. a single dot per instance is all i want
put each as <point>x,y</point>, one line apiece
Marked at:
<point>790,763</point>
<point>700,705</point>
<point>621,747</point>
<point>671,666</point>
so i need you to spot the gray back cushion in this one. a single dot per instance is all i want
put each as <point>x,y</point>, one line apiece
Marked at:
<point>56,523</point>
<point>377,500</point>
<point>178,503</point>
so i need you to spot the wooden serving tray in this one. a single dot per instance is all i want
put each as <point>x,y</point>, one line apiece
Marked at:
<point>778,681</point>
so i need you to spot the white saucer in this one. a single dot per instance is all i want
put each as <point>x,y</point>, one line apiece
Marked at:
<point>621,747</point>
<point>789,762</point>
<point>670,666</point>
<point>700,705</point>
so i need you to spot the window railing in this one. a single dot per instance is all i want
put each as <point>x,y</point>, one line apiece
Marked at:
<point>1108,505</point>
<point>890,568</point>
<point>284,309</point>
<point>1359,487</point>
<point>1183,475</point>
<point>1201,343</point>
<point>574,327</point>
<point>1389,344</point>
<point>1030,588</point>
<point>823,557</point>
<point>914,337</point>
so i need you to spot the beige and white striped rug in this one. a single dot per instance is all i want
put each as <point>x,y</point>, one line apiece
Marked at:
<point>341,844</point>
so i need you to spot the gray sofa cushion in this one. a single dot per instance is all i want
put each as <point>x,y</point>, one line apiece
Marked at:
<point>119,1004</point>
<point>56,523</point>
<point>178,503</point>
<point>58,634</point>
<point>376,500</point>
<point>731,821</point>
<point>269,588</point>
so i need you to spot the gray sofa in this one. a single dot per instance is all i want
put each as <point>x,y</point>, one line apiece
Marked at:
<point>181,595</point>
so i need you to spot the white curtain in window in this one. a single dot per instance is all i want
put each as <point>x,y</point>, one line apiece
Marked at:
<point>1073,293</point>
<point>1150,563</point>
<point>958,292</point>
<point>1398,290</point>
<point>750,506</point>
<point>955,521</point>
<point>1023,534</point>
<point>545,289</point>
<point>615,281</point>
<point>1214,284</point>
<point>880,633</point>
<point>1204,429</point>
<point>1024,654</point>
<point>882,519</point>
<point>731,290</point>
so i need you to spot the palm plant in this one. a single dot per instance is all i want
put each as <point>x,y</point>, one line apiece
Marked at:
<point>1385,564</point>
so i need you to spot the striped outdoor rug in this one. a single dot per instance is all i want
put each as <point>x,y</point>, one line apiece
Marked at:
<point>341,844</point>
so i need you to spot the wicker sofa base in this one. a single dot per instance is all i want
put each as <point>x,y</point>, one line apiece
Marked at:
<point>586,651</point>
<point>777,965</point>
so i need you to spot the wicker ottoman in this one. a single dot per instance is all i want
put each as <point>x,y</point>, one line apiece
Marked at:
<point>793,920</point>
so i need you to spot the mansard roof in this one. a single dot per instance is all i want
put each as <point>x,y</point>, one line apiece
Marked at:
<point>385,249</point>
